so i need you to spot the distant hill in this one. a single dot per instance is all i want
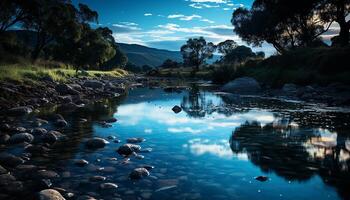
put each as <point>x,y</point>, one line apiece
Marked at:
<point>142,55</point>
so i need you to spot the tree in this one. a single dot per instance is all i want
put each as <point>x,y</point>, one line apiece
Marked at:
<point>282,23</point>
<point>239,54</point>
<point>168,63</point>
<point>338,11</point>
<point>226,47</point>
<point>196,51</point>
<point>12,12</point>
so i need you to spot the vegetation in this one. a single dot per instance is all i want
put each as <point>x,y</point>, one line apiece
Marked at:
<point>57,31</point>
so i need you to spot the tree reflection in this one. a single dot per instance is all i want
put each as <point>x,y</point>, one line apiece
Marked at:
<point>295,154</point>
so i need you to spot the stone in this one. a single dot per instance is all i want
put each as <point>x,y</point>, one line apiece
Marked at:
<point>109,186</point>
<point>128,149</point>
<point>39,131</point>
<point>176,109</point>
<point>65,89</point>
<point>81,162</point>
<point>50,137</point>
<point>10,160</point>
<point>135,140</point>
<point>94,84</point>
<point>21,137</point>
<point>261,178</point>
<point>3,170</point>
<point>139,173</point>
<point>4,138</point>
<point>6,179</point>
<point>50,194</point>
<point>244,85</point>
<point>96,143</point>
<point>61,123</point>
<point>19,111</point>
<point>97,178</point>
<point>86,197</point>
<point>47,174</point>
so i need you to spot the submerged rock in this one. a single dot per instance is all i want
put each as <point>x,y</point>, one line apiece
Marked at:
<point>261,178</point>
<point>50,194</point>
<point>177,109</point>
<point>81,162</point>
<point>128,149</point>
<point>139,173</point>
<point>109,186</point>
<point>244,85</point>
<point>135,140</point>
<point>96,143</point>
<point>112,120</point>
<point>97,178</point>
<point>21,137</point>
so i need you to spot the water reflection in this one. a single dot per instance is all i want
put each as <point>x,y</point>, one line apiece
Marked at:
<point>295,153</point>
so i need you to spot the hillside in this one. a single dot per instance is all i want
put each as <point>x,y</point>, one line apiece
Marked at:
<point>141,55</point>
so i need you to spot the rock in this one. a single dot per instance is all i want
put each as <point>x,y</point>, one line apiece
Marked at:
<point>4,138</point>
<point>139,173</point>
<point>290,88</point>
<point>51,137</point>
<point>61,123</point>
<point>95,143</point>
<point>39,131</point>
<point>176,109</point>
<point>10,160</point>
<point>3,170</point>
<point>36,149</point>
<point>148,167</point>
<point>81,162</point>
<point>128,149</point>
<point>244,85</point>
<point>109,186</point>
<point>86,197</point>
<point>97,178</point>
<point>47,174</point>
<point>21,137</point>
<point>135,140</point>
<point>19,111</point>
<point>50,194</point>
<point>6,179</point>
<point>112,120</point>
<point>261,178</point>
<point>65,89</point>
<point>93,84</point>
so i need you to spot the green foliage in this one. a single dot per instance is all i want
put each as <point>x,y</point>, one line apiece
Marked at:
<point>196,51</point>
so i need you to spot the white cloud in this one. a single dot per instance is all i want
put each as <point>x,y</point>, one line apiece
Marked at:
<point>203,5</point>
<point>148,14</point>
<point>207,20</point>
<point>184,17</point>
<point>208,1</point>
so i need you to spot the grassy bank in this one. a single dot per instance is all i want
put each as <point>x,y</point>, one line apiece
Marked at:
<point>28,72</point>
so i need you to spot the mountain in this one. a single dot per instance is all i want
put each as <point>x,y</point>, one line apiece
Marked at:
<point>142,55</point>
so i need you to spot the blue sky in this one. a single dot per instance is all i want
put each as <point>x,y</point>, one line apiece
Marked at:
<point>167,24</point>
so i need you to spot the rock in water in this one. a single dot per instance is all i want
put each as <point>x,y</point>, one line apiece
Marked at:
<point>96,143</point>
<point>128,149</point>
<point>18,111</point>
<point>261,178</point>
<point>177,109</point>
<point>81,162</point>
<point>21,137</point>
<point>244,85</point>
<point>139,173</point>
<point>50,194</point>
<point>112,120</point>
<point>135,140</point>
<point>108,186</point>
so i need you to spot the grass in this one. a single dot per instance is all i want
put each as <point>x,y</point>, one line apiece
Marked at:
<point>34,73</point>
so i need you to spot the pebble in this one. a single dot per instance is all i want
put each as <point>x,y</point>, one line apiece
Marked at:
<point>128,149</point>
<point>139,173</point>
<point>96,143</point>
<point>81,162</point>
<point>50,194</point>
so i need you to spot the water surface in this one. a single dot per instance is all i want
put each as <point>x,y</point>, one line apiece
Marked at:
<point>213,149</point>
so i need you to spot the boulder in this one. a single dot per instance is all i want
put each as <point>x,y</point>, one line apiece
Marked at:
<point>244,85</point>
<point>94,84</point>
<point>139,173</point>
<point>95,143</point>
<point>10,160</point>
<point>50,194</point>
<point>65,89</point>
<point>21,137</point>
<point>128,149</point>
<point>19,111</point>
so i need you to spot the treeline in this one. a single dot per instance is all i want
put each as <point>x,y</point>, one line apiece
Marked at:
<point>60,31</point>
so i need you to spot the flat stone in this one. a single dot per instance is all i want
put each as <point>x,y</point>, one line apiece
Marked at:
<point>97,178</point>
<point>19,111</point>
<point>95,143</point>
<point>81,162</point>
<point>50,194</point>
<point>108,186</point>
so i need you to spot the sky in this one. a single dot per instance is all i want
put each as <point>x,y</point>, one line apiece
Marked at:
<point>167,24</point>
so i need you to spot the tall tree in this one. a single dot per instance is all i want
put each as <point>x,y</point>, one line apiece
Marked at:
<point>12,12</point>
<point>226,47</point>
<point>282,23</point>
<point>196,51</point>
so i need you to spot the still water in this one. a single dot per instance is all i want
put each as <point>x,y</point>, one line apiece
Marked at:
<point>213,149</point>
